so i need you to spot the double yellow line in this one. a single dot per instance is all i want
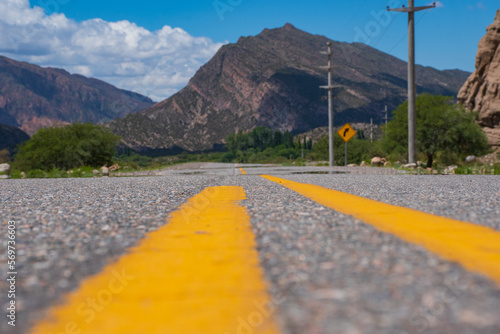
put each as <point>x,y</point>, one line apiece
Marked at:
<point>200,273</point>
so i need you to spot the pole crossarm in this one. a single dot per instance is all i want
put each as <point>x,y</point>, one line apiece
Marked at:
<point>410,9</point>
<point>330,87</point>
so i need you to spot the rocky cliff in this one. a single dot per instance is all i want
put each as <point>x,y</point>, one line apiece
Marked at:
<point>481,92</point>
<point>32,97</point>
<point>273,80</point>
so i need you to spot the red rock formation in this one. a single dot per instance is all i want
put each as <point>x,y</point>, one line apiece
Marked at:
<point>481,92</point>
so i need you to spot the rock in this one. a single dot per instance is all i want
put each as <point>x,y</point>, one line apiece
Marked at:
<point>481,92</point>
<point>470,158</point>
<point>23,175</point>
<point>95,172</point>
<point>363,164</point>
<point>490,159</point>
<point>411,165</point>
<point>5,169</point>
<point>450,169</point>
<point>387,164</point>
<point>352,165</point>
<point>4,176</point>
<point>377,161</point>
<point>105,171</point>
<point>114,168</point>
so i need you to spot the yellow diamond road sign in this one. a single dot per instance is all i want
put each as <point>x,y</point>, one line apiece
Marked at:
<point>346,132</point>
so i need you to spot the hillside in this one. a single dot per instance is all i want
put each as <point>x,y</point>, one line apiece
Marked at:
<point>32,97</point>
<point>273,80</point>
<point>10,137</point>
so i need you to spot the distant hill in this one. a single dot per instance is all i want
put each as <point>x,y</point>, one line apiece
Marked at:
<point>273,80</point>
<point>10,137</point>
<point>32,97</point>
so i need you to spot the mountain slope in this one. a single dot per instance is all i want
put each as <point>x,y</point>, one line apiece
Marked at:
<point>273,80</point>
<point>32,97</point>
<point>10,137</point>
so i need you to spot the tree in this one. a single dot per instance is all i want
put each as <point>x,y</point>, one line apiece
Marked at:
<point>4,156</point>
<point>442,127</point>
<point>68,147</point>
<point>278,138</point>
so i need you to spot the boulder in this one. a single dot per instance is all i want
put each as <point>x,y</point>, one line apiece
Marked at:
<point>387,164</point>
<point>5,169</point>
<point>470,158</point>
<point>105,171</point>
<point>377,161</point>
<point>95,172</point>
<point>114,168</point>
<point>481,92</point>
<point>352,165</point>
<point>363,164</point>
<point>411,165</point>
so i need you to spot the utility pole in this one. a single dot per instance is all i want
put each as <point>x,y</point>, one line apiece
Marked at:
<point>412,119</point>
<point>330,88</point>
<point>371,130</point>
<point>386,118</point>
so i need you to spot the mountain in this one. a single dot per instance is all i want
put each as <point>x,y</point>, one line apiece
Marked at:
<point>32,97</point>
<point>481,92</point>
<point>273,80</point>
<point>10,137</point>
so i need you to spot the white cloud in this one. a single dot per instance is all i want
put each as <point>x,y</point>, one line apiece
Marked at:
<point>479,5</point>
<point>153,63</point>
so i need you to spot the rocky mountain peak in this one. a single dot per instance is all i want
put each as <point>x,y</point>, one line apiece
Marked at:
<point>481,92</point>
<point>273,79</point>
<point>289,26</point>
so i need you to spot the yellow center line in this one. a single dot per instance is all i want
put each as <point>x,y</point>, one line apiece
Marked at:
<point>475,247</point>
<point>200,273</point>
<point>242,171</point>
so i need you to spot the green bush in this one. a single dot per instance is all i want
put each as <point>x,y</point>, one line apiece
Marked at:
<point>357,150</point>
<point>444,130</point>
<point>67,147</point>
<point>36,174</point>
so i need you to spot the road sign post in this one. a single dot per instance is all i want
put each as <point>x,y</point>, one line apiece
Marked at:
<point>346,133</point>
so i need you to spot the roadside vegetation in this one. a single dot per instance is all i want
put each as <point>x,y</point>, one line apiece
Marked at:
<point>446,135</point>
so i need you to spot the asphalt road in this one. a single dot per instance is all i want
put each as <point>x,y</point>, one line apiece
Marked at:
<point>327,272</point>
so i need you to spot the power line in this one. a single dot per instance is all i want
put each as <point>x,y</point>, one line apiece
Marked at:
<point>406,34</point>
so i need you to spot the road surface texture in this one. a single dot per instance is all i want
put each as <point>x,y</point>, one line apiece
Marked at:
<point>327,272</point>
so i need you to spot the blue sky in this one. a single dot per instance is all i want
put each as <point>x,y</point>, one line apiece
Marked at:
<point>83,36</point>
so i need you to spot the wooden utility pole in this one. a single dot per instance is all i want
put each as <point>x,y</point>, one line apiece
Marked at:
<point>330,88</point>
<point>386,118</point>
<point>412,119</point>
